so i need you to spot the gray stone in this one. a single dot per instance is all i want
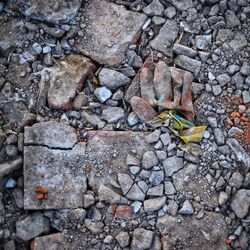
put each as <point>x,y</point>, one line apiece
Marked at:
<point>203,42</point>
<point>155,190</point>
<point>180,49</point>
<point>142,239</point>
<point>11,150</point>
<point>172,207</point>
<point>220,183</point>
<point>182,5</point>
<point>223,79</point>
<point>169,188</point>
<point>166,38</point>
<point>156,177</point>
<point>149,160</point>
<point>113,114</point>
<point>77,214</point>
<point>93,120</point>
<point>188,64</point>
<point>245,69</point>
<point>103,94</point>
<point>112,79</point>
<point>232,69</point>
<point>88,200</point>
<point>11,183</point>
<point>161,154</point>
<point>132,160</point>
<point>107,43</point>
<point>143,186</point>
<point>133,119</point>
<point>155,8</point>
<point>231,19</point>
<point>32,226</point>
<point>172,165</point>
<point>94,227</point>
<point>165,138</point>
<point>241,202</point>
<point>170,12</point>
<point>158,20</point>
<point>223,198</point>
<point>236,180</point>
<point>224,35</point>
<point>135,194</point>
<point>238,43</point>
<point>122,238</point>
<point>8,167</point>
<point>186,208</point>
<point>216,90</point>
<point>219,136</point>
<point>18,197</point>
<point>239,151</point>
<point>37,48</point>
<point>154,136</point>
<point>235,131</point>
<point>246,96</point>
<point>134,170</point>
<point>51,134</point>
<point>125,182</point>
<point>154,204</point>
<point>110,196</point>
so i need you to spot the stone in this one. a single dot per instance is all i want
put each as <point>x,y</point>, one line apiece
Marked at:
<point>219,136</point>
<point>32,226</point>
<point>125,182</point>
<point>77,214</point>
<point>182,5</point>
<point>180,49</point>
<point>93,120</point>
<point>93,226</point>
<point>216,90</point>
<point>223,79</point>
<point>113,114</point>
<point>241,202</point>
<point>188,64</point>
<point>142,108</point>
<point>112,79</point>
<point>142,184</point>
<point>154,136</point>
<point>51,134</point>
<point>155,8</point>
<point>166,38</point>
<point>186,208</point>
<point>246,96</point>
<point>158,20</point>
<point>88,200</point>
<point>11,151</point>
<point>155,190</point>
<point>142,239</point>
<point>135,194</point>
<point>231,19</point>
<point>203,42</point>
<point>245,69</point>
<point>107,43</point>
<point>182,227</point>
<point>232,69</point>
<point>102,94</point>
<point>172,165</point>
<point>133,119</point>
<point>66,79</point>
<point>108,195</point>
<point>238,43</point>
<point>37,48</point>
<point>154,204</point>
<point>39,10</point>
<point>169,188</point>
<point>11,183</point>
<point>165,138</point>
<point>236,180</point>
<point>156,177</point>
<point>149,160</point>
<point>172,207</point>
<point>170,12</point>
<point>122,238</point>
<point>220,183</point>
<point>223,198</point>
<point>134,170</point>
<point>212,122</point>
<point>132,160</point>
<point>8,167</point>
<point>80,101</point>
<point>235,131</point>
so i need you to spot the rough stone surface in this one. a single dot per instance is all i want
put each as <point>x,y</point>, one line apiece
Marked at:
<point>187,63</point>
<point>32,226</point>
<point>149,160</point>
<point>154,204</point>
<point>121,27</point>
<point>172,165</point>
<point>66,79</point>
<point>40,10</point>
<point>142,239</point>
<point>166,38</point>
<point>8,167</point>
<point>113,114</point>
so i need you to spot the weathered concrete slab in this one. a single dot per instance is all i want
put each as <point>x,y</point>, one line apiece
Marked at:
<point>56,170</point>
<point>109,30</point>
<point>51,134</point>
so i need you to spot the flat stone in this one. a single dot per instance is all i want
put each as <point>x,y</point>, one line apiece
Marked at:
<point>149,160</point>
<point>132,160</point>
<point>110,196</point>
<point>51,134</point>
<point>181,5</point>
<point>95,227</point>
<point>122,238</point>
<point>219,136</point>
<point>154,204</point>
<point>223,79</point>
<point>180,49</point>
<point>169,188</point>
<point>155,191</point>
<point>186,208</point>
<point>142,108</point>
<point>238,43</point>
<point>202,42</point>
<point>165,39</point>
<point>94,120</point>
<point>54,12</point>
<point>66,79</point>
<point>224,35</point>
<point>246,96</point>
<point>112,79</point>
<point>241,202</point>
<point>188,64</point>
<point>142,239</point>
<point>113,114</point>
<point>182,227</point>
<point>107,43</point>
<point>156,177</point>
<point>231,19</point>
<point>32,226</point>
<point>102,94</point>
<point>172,165</point>
<point>155,8</point>
<point>235,131</point>
<point>135,194</point>
<point>8,167</point>
<point>125,182</point>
